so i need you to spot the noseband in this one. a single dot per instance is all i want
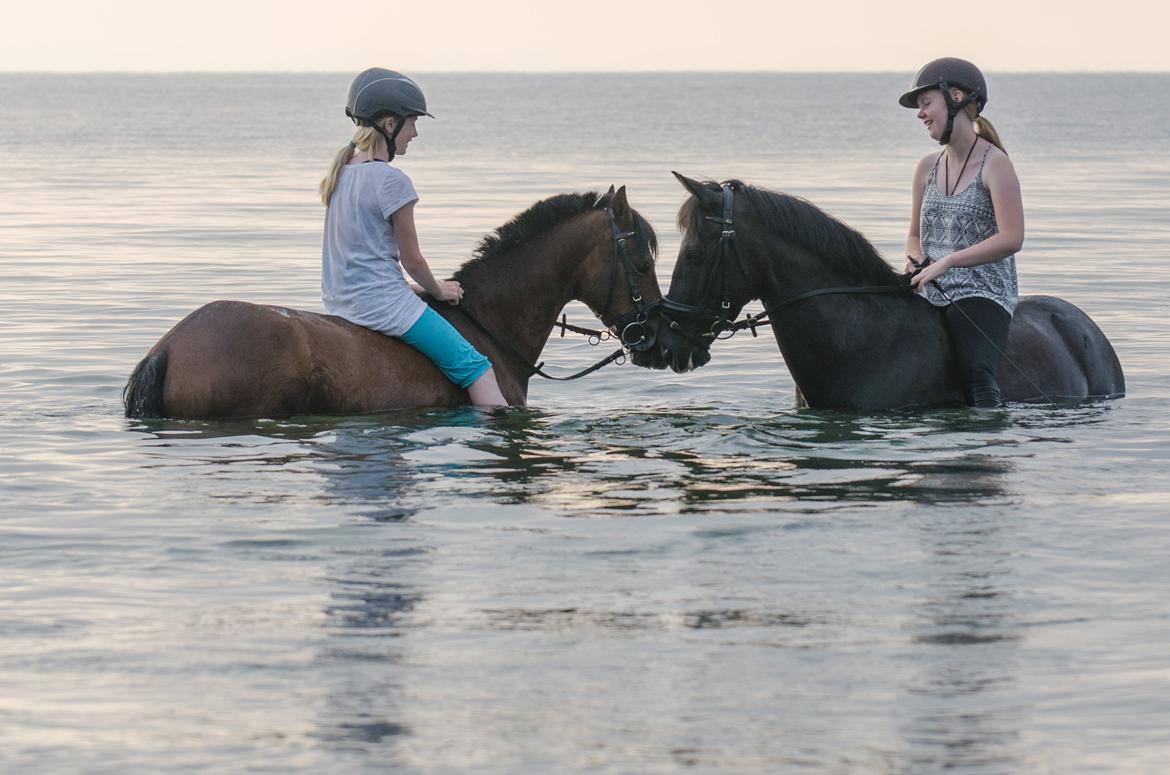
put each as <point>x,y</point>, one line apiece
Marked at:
<point>631,327</point>
<point>720,320</point>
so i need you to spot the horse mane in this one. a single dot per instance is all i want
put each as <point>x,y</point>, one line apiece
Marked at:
<point>538,219</point>
<point>802,222</point>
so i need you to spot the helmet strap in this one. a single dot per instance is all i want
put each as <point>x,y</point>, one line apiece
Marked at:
<point>953,108</point>
<point>390,139</point>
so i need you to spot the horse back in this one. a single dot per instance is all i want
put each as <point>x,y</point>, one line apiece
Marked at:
<point>233,359</point>
<point>236,359</point>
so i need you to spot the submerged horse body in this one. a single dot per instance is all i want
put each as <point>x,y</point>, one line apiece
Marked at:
<point>852,333</point>
<point>234,359</point>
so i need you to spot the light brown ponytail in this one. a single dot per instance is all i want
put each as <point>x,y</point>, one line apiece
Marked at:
<point>364,140</point>
<point>984,128</point>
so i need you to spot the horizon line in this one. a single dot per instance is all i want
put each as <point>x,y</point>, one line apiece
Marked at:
<point>570,72</point>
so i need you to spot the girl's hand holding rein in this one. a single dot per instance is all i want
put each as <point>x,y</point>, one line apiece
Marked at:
<point>930,270</point>
<point>450,291</point>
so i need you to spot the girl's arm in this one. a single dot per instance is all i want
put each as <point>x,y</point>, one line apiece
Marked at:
<point>411,258</point>
<point>999,176</point>
<point>913,235</point>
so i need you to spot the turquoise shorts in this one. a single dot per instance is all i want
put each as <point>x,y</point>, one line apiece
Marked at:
<point>437,339</point>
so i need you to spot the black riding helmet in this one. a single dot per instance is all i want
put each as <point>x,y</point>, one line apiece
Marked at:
<point>945,74</point>
<point>377,93</point>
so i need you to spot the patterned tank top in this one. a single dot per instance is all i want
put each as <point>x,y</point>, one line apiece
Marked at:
<point>951,223</point>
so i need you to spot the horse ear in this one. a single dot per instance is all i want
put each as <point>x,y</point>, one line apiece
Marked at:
<point>694,186</point>
<point>621,206</point>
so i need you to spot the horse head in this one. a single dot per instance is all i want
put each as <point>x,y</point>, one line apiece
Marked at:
<point>617,280</point>
<point>713,278</point>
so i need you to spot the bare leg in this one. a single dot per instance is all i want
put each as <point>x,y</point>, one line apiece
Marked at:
<point>485,391</point>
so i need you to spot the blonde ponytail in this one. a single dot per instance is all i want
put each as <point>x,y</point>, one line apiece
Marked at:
<point>365,138</point>
<point>329,182</point>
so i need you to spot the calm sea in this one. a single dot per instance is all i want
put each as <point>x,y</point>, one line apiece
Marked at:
<point>643,572</point>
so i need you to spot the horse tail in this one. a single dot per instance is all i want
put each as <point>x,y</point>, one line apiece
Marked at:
<point>143,393</point>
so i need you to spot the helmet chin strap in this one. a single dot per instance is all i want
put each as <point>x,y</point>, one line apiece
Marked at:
<point>392,138</point>
<point>953,108</point>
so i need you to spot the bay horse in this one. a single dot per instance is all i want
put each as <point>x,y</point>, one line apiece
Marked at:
<point>232,359</point>
<point>852,333</point>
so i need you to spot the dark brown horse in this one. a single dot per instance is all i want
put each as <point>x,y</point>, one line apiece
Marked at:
<point>851,332</point>
<point>234,359</point>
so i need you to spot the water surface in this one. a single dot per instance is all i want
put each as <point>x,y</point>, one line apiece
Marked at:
<point>641,572</point>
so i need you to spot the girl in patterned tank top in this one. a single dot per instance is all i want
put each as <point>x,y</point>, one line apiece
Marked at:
<point>967,221</point>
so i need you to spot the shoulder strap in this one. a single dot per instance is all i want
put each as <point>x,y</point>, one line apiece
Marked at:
<point>930,177</point>
<point>986,153</point>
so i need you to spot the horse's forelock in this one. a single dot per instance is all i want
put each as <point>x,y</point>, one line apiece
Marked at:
<point>690,215</point>
<point>647,232</point>
<point>686,215</point>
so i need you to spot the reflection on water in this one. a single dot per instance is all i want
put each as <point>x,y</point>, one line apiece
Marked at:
<point>639,463</point>
<point>389,468</point>
<point>966,633</point>
<point>427,602</point>
<point>360,655</point>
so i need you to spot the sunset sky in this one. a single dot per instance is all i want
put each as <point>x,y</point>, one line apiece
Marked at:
<point>516,35</point>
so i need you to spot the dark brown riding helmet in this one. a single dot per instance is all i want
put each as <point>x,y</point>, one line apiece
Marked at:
<point>947,72</point>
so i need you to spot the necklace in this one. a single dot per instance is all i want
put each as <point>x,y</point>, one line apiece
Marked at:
<point>947,170</point>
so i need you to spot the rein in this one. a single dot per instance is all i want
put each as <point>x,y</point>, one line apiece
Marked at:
<point>755,321</point>
<point>537,368</point>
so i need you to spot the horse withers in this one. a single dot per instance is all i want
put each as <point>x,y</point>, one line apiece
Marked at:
<point>231,359</point>
<point>851,332</point>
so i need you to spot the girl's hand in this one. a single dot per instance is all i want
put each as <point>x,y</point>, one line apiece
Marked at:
<point>912,263</point>
<point>450,291</point>
<point>929,272</point>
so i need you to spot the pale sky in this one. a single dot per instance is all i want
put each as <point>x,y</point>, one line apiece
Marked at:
<point>550,36</point>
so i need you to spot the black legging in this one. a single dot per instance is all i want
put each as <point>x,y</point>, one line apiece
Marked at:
<point>977,357</point>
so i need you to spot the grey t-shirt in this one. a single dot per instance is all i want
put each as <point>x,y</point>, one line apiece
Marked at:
<point>361,279</point>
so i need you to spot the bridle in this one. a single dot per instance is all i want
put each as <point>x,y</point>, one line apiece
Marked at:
<point>631,327</point>
<point>721,321</point>
<point>721,325</point>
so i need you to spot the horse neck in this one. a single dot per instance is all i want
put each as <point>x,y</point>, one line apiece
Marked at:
<point>518,295</point>
<point>838,345</point>
<point>789,270</point>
